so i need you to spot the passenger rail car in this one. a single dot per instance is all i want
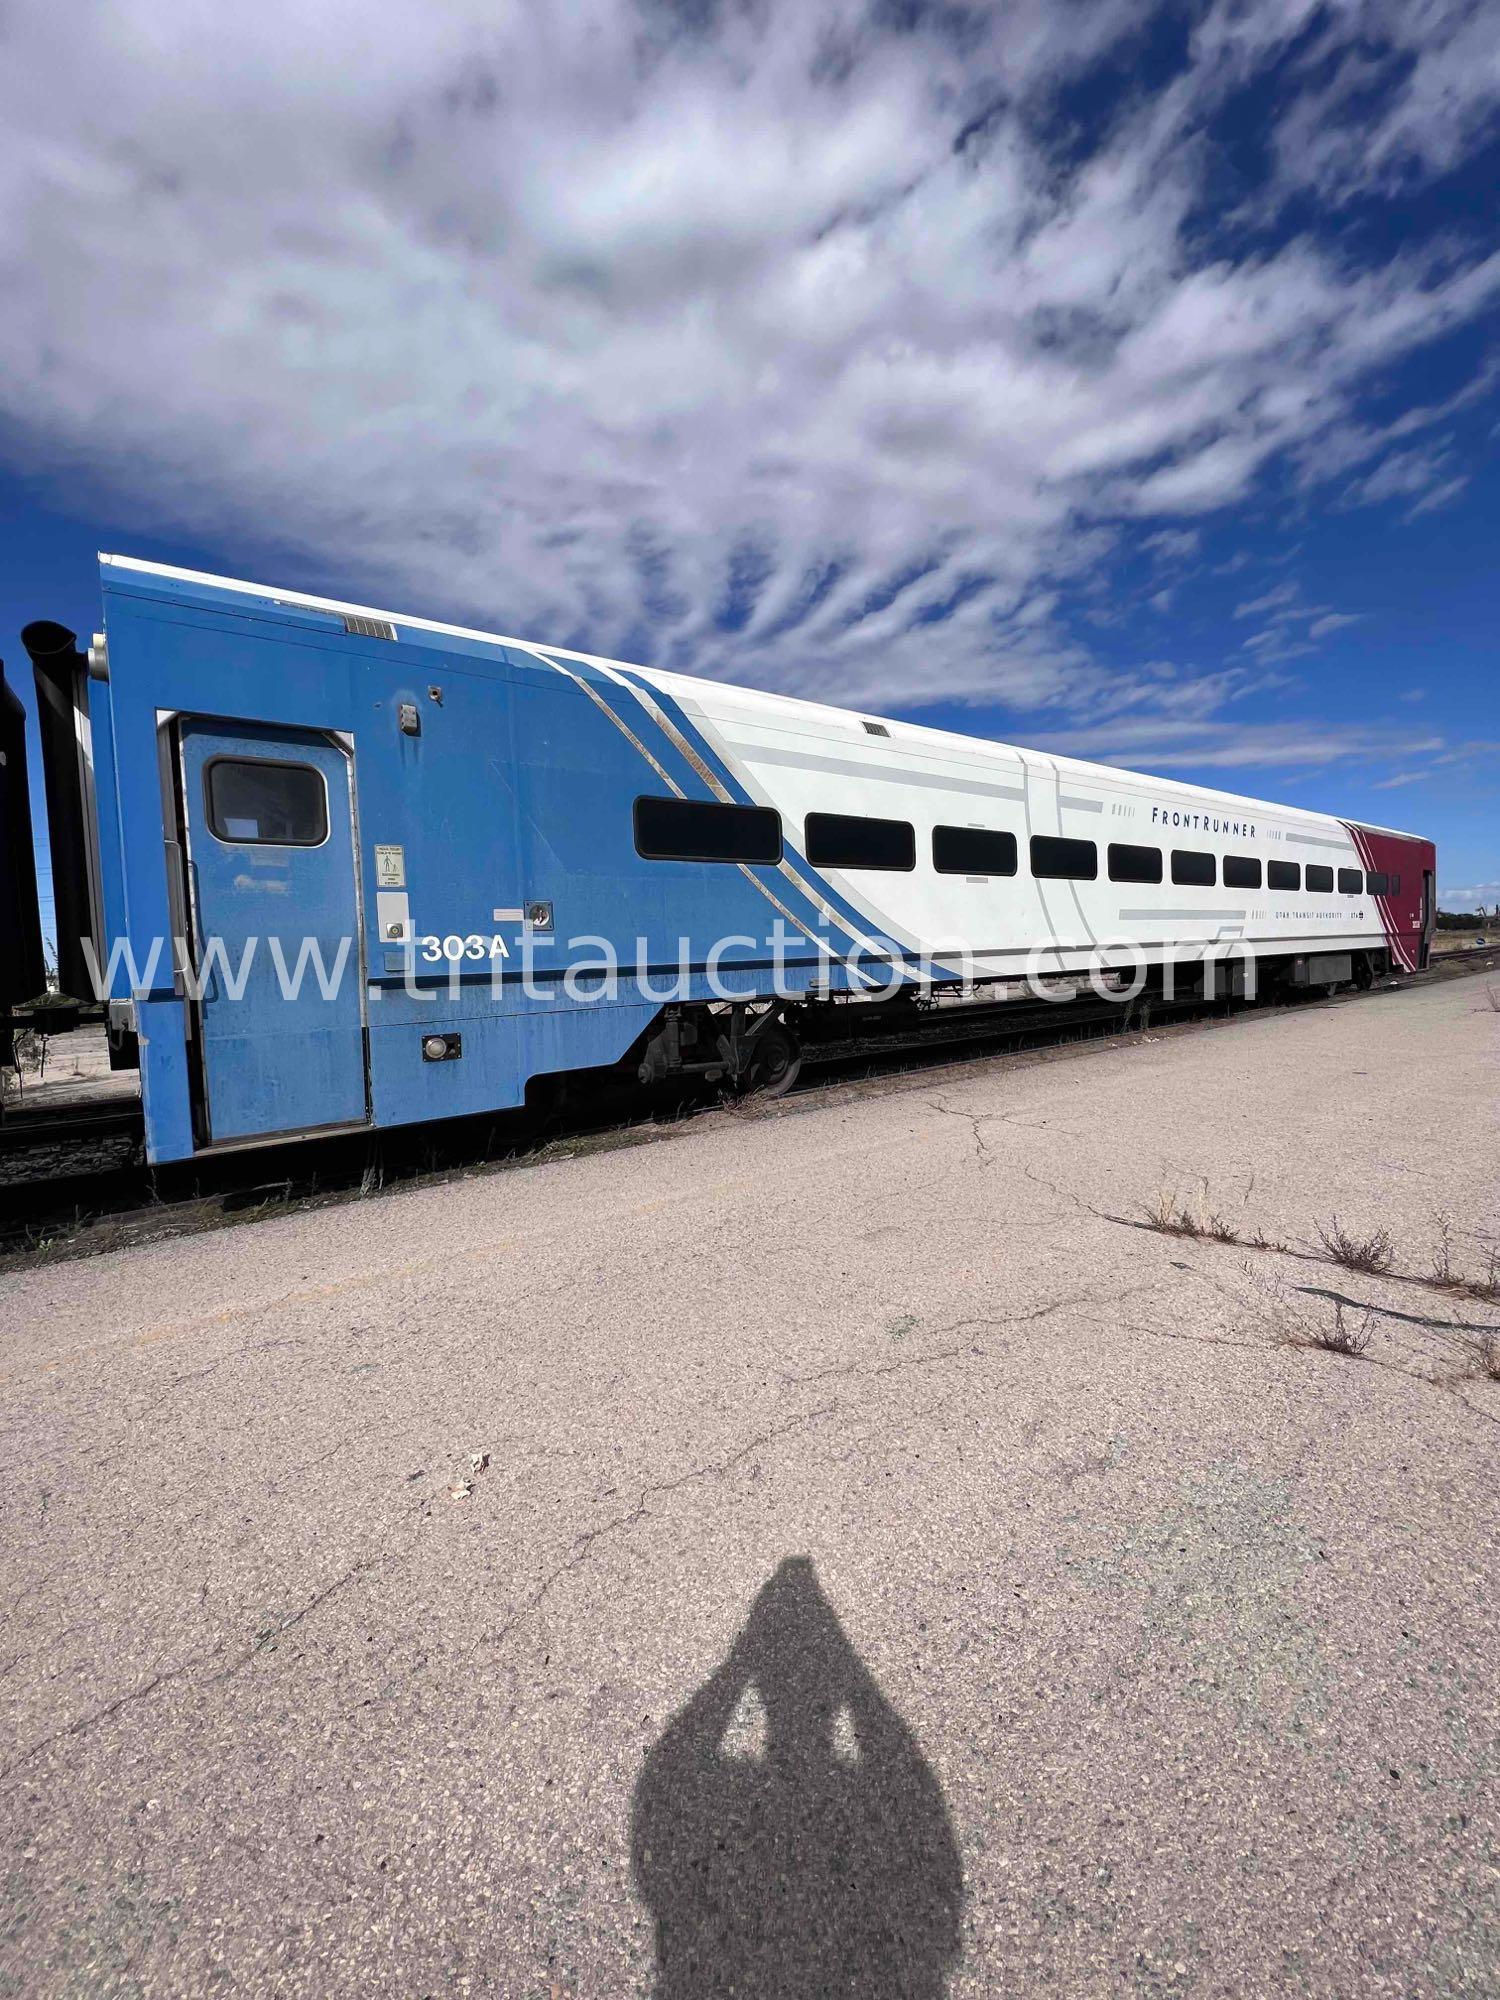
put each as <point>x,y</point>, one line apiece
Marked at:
<point>347,869</point>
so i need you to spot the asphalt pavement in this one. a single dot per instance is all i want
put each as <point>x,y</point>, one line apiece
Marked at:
<point>839,1548</point>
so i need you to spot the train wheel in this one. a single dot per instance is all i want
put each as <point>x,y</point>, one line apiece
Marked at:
<point>778,1063</point>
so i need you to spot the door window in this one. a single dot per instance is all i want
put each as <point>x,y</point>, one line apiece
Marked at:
<point>257,803</point>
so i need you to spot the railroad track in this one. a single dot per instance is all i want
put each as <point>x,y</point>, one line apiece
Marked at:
<point>104,1205</point>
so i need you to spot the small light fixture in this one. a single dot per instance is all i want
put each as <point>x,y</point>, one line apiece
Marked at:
<point>409,718</point>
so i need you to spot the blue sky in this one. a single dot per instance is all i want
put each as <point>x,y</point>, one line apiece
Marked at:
<point>1117,380</point>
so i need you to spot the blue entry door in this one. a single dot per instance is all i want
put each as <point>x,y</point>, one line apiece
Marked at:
<point>274,916</point>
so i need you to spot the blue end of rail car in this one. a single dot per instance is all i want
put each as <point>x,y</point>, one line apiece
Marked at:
<point>403,797</point>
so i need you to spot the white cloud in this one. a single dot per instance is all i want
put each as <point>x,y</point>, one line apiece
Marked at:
<point>1423,476</point>
<point>1173,544</point>
<point>1287,610</point>
<point>1477,896</point>
<point>780,341</point>
<point>1407,98</point>
<point>1160,743</point>
<point>1438,496</point>
<point>1448,763</point>
<point>1279,644</point>
<point>1271,600</point>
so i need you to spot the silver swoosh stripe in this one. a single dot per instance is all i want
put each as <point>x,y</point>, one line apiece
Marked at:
<point>784,867</point>
<point>703,771</point>
<point>625,730</point>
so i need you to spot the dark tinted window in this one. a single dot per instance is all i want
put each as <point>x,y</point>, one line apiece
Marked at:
<point>1134,864</point>
<point>1283,875</point>
<point>1053,859</point>
<point>973,850</point>
<point>700,830</point>
<point>1378,884</point>
<point>1241,871</point>
<point>1351,882</point>
<point>1319,879</point>
<point>838,840</point>
<point>1195,869</point>
<point>263,804</point>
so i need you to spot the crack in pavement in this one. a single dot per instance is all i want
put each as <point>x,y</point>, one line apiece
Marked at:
<point>264,1641</point>
<point>1390,1312</point>
<point>1197,1339</point>
<point>923,1360</point>
<point>1147,1225</point>
<point>106,1710</point>
<point>931,1355</point>
<point>973,1119</point>
<point>583,1544</point>
<point>1066,1194</point>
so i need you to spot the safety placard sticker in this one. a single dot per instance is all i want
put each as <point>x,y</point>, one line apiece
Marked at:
<point>390,867</point>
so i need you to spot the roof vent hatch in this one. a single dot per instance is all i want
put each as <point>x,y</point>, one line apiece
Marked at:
<point>368,628</point>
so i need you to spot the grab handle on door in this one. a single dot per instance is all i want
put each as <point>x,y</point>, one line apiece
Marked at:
<point>177,923</point>
<point>209,990</point>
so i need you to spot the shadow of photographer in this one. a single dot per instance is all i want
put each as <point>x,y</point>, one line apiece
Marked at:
<point>787,1834</point>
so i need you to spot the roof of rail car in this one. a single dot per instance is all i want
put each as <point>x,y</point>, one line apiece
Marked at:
<point>213,590</point>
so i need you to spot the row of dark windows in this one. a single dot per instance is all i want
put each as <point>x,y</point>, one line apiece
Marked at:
<point>1193,868</point>
<point>699,830</point>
